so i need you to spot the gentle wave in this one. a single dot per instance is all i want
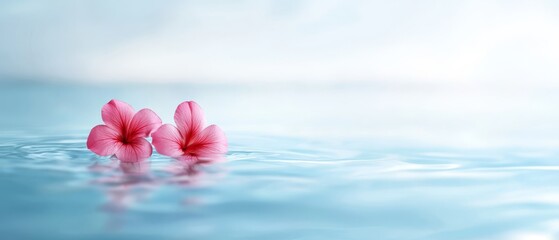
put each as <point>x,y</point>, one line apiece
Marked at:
<point>268,186</point>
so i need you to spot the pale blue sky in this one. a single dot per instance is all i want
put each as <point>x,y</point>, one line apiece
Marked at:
<point>462,42</point>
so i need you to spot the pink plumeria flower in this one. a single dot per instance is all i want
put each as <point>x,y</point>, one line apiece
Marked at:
<point>189,140</point>
<point>124,133</point>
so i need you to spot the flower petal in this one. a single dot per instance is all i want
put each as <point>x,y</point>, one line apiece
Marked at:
<point>136,150</point>
<point>143,123</point>
<point>211,141</point>
<point>189,119</point>
<point>201,159</point>
<point>167,141</point>
<point>103,140</point>
<point>117,115</point>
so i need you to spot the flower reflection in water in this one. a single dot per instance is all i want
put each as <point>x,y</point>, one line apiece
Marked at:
<point>127,184</point>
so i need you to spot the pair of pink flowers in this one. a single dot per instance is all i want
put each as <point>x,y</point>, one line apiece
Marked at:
<point>124,133</point>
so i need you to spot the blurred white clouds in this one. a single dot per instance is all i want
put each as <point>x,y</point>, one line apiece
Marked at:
<point>253,41</point>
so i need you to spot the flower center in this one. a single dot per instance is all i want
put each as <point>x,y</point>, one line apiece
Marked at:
<point>124,139</point>
<point>189,150</point>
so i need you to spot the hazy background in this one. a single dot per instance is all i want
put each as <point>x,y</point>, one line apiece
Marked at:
<point>441,73</point>
<point>477,42</point>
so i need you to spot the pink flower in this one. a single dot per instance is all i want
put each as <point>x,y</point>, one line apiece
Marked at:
<point>124,133</point>
<point>189,140</point>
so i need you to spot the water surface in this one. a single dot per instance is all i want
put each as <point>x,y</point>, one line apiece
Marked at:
<point>307,175</point>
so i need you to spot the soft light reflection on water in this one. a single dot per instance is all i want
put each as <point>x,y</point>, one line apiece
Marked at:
<point>289,185</point>
<point>55,185</point>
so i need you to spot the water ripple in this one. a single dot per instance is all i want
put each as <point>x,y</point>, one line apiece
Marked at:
<point>273,185</point>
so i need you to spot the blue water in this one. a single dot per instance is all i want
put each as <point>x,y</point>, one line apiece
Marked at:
<point>358,162</point>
